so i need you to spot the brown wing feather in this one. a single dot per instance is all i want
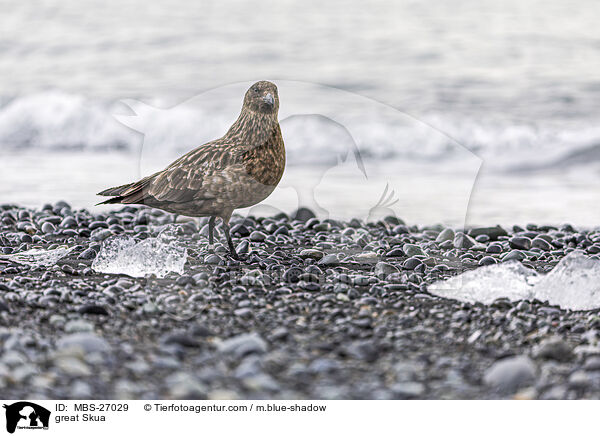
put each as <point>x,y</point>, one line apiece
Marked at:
<point>112,192</point>
<point>183,180</point>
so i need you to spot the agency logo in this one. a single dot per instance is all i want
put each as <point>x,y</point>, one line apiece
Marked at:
<point>25,415</point>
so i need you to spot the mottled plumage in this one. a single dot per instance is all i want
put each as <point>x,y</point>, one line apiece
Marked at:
<point>238,170</point>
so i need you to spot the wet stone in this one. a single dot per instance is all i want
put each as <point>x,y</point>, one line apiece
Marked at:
<point>445,235</point>
<point>554,348</point>
<point>514,255</point>
<point>463,241</point>
<point>88,254</point>
<point>509,374</point>
<point>411,263</point>
<point>311,253</point>
<point>541,243</point>
<point>520,243</point>
<point>48,228</point>
<point>487,260</point>
<point>412,250</point>
<point>257,236</point>
<point>93,309</point>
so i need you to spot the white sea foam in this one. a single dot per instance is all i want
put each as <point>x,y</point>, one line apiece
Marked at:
<point>573,284</point>
<point>56,120</point>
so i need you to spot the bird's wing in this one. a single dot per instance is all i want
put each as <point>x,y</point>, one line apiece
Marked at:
<point>196,175</point>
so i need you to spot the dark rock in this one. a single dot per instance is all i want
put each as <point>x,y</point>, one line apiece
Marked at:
<point>396,252</point>
<point>93,309</point>
<point>494,248</point>
<point>520,243</point>
<point>487,260</point>
<point>303,214</point>
<point>411,263</point>
<point>182,339</point>
<point>68,223</point>
<point>98,225</point>
<point>257,236</point>
<point>541,243</point>
<point>492,232</point>
<point>88,254</point>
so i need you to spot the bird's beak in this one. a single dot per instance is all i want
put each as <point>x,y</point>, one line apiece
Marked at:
<point>269,99</point>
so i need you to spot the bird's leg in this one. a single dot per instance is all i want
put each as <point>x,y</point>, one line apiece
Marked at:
<point>211,229</point>
<point>229,241</point>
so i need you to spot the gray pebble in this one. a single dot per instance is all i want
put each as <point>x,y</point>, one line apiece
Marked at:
<point>244,344</point>
<point>445,235</point>
<point>509,374</point>
<point>554,348</point>
<point>514,255</point>
<point>86,342</point>
<point>311,253</point>
<point>520,243</point>
<point>257,236</point>
<point>407,390</point>
<point>48,228</point>
<point>78,325</point>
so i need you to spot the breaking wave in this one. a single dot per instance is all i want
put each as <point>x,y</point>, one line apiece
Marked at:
<point>55,121</point>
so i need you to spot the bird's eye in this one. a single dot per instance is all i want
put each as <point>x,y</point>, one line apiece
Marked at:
<point>256,90</point>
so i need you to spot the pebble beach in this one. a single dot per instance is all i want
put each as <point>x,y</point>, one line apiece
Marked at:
<point>318,309</point>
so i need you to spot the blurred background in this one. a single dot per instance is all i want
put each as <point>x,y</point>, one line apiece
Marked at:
<point>475,112</point>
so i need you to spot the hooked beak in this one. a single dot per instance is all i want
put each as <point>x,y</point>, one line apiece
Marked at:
<point>269,99</point>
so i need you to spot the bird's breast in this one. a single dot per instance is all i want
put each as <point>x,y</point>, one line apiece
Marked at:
<point>265,162</point>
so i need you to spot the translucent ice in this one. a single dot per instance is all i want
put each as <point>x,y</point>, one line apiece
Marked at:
<point>573,284</point>
<point>38,256</point>
<point>159,256</point>
<point>487,283</point>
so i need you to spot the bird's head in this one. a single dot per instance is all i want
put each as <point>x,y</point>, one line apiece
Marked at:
<point>262,97</point>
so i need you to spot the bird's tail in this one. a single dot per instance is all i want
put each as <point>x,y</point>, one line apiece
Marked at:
<point>113,192</point>
<point>116,192</point>
<point>131,193</point>
<point>114,200</point>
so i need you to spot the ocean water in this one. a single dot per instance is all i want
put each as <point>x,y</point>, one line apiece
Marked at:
<point>473,112</point>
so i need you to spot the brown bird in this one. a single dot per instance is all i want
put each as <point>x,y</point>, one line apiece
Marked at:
<point>238,170</point>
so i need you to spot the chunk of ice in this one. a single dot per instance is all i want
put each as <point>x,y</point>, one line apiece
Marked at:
<point>159,256</point>
<point>573,284</point>
<point>487,283</point>
<point>38,256</point>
